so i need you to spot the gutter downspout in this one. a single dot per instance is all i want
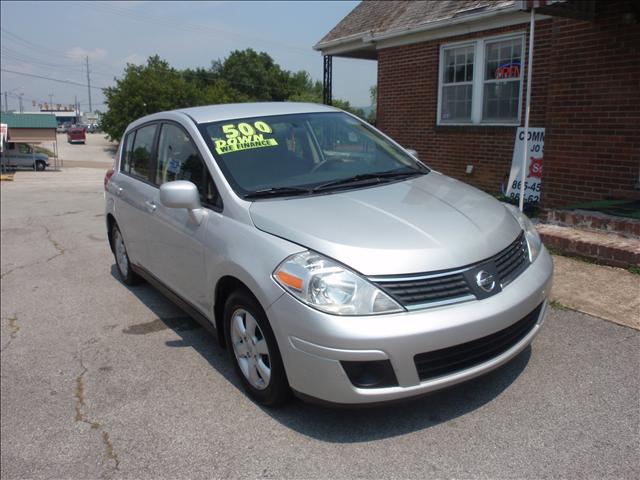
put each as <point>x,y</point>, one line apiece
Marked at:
<point>525,150</point>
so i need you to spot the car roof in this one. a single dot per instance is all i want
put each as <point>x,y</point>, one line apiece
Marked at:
<point>215,113</point>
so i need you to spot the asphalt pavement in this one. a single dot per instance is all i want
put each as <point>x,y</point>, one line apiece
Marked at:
<point>96,152</point>
<point>100,380</point>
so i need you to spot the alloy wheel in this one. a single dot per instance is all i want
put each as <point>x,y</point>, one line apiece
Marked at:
<point>250,349</point>
<point>121,253</point>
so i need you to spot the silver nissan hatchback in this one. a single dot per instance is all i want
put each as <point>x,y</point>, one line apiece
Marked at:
<point>328,260</point>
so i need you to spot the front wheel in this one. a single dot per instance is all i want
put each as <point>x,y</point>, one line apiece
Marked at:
<point>254,350</point>
<point>40,166</point>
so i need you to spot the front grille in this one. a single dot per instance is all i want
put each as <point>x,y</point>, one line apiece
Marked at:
<point>511,261</point>
<point>450,286</point>
<point>427,290</point>
<point>466,355</point>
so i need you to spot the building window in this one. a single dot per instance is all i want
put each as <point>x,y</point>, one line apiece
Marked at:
<point>481,82</point>
<point>457,83</point>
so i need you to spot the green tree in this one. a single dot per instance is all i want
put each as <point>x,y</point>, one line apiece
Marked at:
<point>156,87</point>
<point>254,74</point>
<point>314,96</point>
<point>373,93</point>
<point>245,75</point>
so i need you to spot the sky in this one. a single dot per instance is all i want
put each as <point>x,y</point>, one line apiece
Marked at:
<point>52,39</point>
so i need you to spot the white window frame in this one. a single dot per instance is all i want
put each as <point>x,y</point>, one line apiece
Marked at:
<point>479,66</point>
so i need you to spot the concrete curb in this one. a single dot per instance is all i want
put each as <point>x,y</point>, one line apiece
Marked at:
<point>605,248</point>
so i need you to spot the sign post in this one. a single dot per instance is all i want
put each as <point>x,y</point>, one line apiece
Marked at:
<point>526,115</point>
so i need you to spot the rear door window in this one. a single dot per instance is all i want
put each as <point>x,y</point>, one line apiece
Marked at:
<point>142,150</point>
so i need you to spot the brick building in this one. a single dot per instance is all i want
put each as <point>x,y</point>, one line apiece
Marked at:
<point>452,77</point>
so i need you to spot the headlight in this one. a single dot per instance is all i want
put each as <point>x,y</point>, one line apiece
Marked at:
<point>531,234</point>
<point>328,286</point>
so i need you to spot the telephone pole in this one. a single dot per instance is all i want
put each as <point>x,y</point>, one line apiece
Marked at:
<point>89,85</point>
<point>20,98</point>
<point>51,101</point>
<point>6,104</point>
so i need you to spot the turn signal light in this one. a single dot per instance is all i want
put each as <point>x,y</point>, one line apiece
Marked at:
<point>290,280</point>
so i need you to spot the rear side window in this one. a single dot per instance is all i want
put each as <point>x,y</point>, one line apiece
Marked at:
<point>126,152</point>
<point>141,154</point>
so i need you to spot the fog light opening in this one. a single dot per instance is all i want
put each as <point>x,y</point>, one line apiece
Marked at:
<point>371,374</point>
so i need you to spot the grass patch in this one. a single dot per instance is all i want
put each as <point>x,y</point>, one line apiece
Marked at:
<point>618,208</point>
<point>634,270</point>
<point>558,305</point>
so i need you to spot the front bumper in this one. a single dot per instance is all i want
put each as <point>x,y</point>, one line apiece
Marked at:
<point>313,344</point>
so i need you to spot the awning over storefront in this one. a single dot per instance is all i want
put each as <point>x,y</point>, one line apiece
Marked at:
<point>31,135</point>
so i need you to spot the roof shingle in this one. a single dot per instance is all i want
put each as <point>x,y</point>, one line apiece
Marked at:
<point>376,17</point>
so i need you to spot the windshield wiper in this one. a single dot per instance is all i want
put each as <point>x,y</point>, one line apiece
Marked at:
<point>368,178</point>
<point>277,191</point>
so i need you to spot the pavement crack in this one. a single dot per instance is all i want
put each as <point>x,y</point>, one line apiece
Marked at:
<point>59,251</point>
<point>56,245</point>
<point>82,417</point>
<point>108,446</point>
<point>14,328</point>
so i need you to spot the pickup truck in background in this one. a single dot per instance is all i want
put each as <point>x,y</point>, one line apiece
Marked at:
<point>21,155</point>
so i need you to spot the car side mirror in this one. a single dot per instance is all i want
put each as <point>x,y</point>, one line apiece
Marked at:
<point>182,194</point>
<point>412,152</point>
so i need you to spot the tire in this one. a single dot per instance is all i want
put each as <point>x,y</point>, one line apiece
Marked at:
<point>40,166</point>
<point>254,351</point>
<point>127,275</point>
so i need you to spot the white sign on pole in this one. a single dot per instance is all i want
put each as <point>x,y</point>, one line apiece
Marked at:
<point>532,185</point>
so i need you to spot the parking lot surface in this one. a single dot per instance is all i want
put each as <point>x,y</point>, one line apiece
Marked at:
<point>100,380</point>
<point>96,152</point>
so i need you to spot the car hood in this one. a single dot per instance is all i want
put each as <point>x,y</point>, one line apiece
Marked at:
<point>428,223</point>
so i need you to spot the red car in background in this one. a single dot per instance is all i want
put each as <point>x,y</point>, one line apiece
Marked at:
<point>76,135</point>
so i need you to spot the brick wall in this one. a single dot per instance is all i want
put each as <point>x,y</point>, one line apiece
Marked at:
<point>586,93</point>
<point>593,109</point>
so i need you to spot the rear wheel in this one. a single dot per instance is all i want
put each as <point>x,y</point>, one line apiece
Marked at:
<point>123,264</point>
<point>254,350</point>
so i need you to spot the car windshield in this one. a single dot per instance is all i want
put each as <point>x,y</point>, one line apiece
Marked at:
<point>304,153</point>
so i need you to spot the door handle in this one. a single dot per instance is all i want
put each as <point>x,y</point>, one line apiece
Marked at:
<point>151,207</point>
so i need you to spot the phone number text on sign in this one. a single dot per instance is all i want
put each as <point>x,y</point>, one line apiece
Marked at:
<point>535,153</point>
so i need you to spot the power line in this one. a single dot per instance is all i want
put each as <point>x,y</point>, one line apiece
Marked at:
<point>21,57</point>
<point>40,49</point>
<point>27,60</point>
<point>39,64</point>
<point>69,82</point>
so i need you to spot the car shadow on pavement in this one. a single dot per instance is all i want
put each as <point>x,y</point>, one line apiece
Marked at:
<point>335,425</point>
